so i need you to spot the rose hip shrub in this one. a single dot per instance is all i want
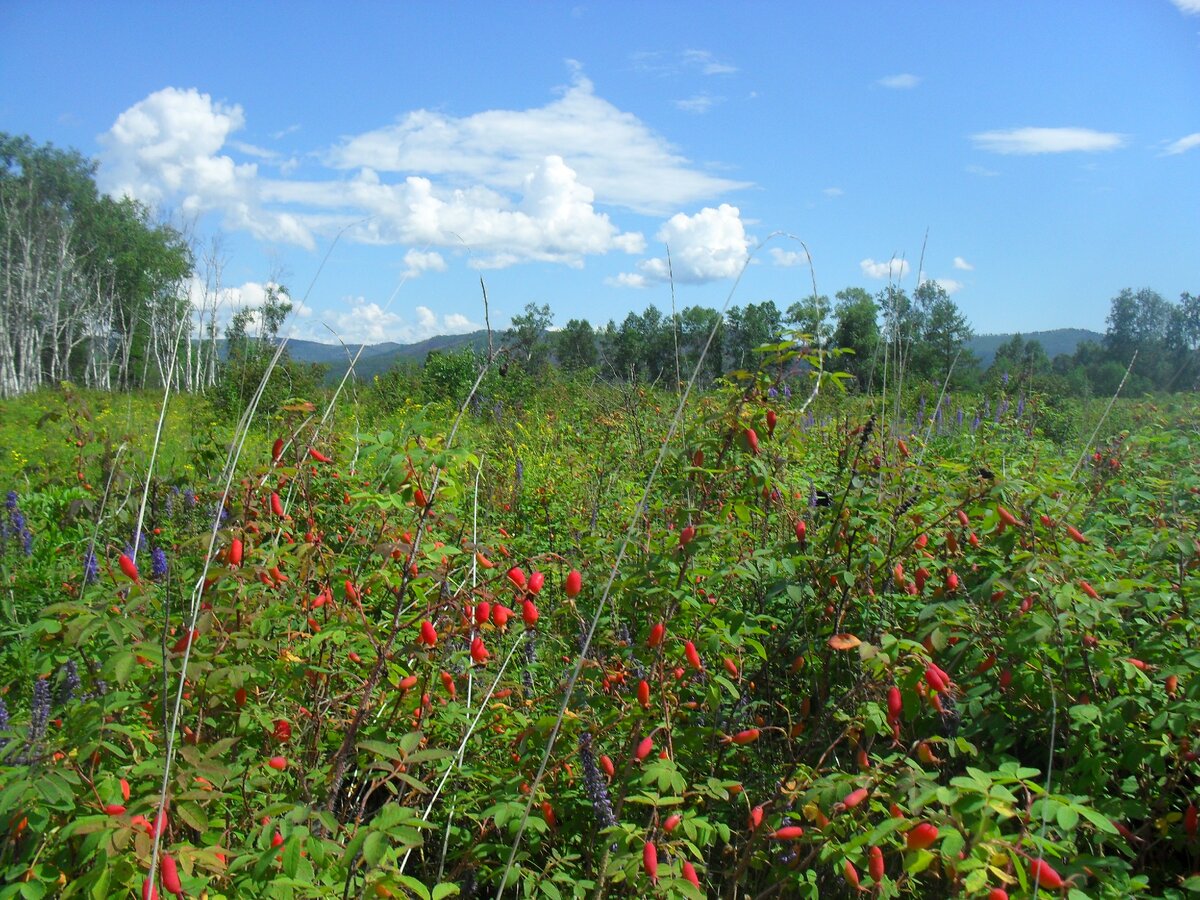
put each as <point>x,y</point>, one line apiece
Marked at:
<point>839,653</point>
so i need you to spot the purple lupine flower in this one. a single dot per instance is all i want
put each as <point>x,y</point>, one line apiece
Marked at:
<point>170,504</point>
<point>69,683</point>
<point>958,418</point>
<point>91,568</point>
<point>937,418</point>
<point>3,724</point>
<point>987,409</point>
<point>772,393</point>
<point>158,564</point>
<point>27,542</point>
<point>520,473</point>
<point>975,425</point>
<point>594,784</point>
<point>1001,409</point>
<point>1004,379</point>
<point>10,500</point>
<point>1020,406</point>
<point>787,392</point>
<point>189,498</point>
<point>39,710</point>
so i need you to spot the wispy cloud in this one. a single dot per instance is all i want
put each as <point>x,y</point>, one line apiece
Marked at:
<point>893,269</point>
<point>707,63</point>
<point>662,62</point>
<point>1031,141</point>
<point>902,82</point>
<point>833,192</point>
<point>697,104</point>
<point>1184,144</point>
<point>982,171</point>
<point>949,285</point>
<point>614,153</point>
<point>963,265</point>
<point>1188,7</point>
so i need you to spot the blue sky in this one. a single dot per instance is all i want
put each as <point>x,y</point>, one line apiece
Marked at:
<point>1051,151</point>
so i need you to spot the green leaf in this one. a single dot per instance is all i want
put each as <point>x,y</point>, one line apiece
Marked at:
<point>374,848</point>
<point>1100,821</point>
<point>413,885</point>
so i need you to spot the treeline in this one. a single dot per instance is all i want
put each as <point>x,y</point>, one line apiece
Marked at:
<point>890,336</point>
<point>919,336</point>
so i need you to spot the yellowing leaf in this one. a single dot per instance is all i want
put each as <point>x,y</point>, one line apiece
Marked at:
<point>844,642</point>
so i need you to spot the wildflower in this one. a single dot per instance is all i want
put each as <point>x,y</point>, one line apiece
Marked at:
<point>787,392</point>
<point>772,393</point>
<point>158,564</point>
<point>1004,379</point>
<point>3,724</point>
<point>189,498</point>
<point>39,710</point>
<point>10,501</point>
<point>530,659</point>
<point>91,568</point>
<point>594,784</point>
<point>1021,406</point>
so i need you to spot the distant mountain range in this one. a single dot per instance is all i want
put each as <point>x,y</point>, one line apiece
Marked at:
<point>1055,343</point>
<point>378,358</point>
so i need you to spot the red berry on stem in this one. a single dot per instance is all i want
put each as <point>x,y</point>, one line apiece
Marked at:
<point>650,860</point>
<point>129,567</point>
<point>922,836</point>
<point>574,583</point>
<point>428,635</point>
<point>1044,875</point>
<point>656,635</point>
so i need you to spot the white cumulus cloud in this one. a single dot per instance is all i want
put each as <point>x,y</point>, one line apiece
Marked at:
<point>507,186</point>
<point>1030,141</point>
<point>359,321</point>
<point>1188,7</point>
<point>708,246</point>
<point>165,149</point>
<point>416,262</point>
<point>788,258</point>
<point>627,279</point>
<point>893,269</point>
<point>949,285</point>
<point>962,264</point>
<point>1184,144</point>
<point>903,81</point>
